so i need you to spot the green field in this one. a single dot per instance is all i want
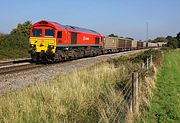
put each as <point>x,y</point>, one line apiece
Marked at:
<point>165,105</point>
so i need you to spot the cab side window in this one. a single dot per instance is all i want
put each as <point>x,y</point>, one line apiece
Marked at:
<point>97,40</point>
<point>59,34</point>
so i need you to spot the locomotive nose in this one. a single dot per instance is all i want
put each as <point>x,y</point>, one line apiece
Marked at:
<point>43,44</point>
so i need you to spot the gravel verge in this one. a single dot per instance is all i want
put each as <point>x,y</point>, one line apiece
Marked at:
<point>13,81</point>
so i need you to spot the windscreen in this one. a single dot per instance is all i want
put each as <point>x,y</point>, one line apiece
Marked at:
<point>49,32</point>
<point>37,32</point>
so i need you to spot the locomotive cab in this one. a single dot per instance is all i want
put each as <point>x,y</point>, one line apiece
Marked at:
<point>43,39</point>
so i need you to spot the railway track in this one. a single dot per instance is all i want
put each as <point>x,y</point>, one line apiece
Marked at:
<point>5,63</point>
<point>17,68</point>
<point>9,67</point>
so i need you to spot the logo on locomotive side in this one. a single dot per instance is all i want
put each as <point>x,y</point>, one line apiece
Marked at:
<point>85,38</point>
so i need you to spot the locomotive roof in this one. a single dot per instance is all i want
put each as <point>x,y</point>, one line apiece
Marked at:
<point>68,27</point>
<point>75,28</point>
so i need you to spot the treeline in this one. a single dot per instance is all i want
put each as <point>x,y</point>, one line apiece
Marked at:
<point>18,37</point>
<point>172,42</point>
<point>114,35</point>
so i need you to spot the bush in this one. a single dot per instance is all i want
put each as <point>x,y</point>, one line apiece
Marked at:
<point>173,43</point>
<point>15,43</point>
<point>165,48</point>
<point>142,57</point>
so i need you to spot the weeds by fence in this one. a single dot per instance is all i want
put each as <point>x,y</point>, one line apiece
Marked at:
<point>131,90</point>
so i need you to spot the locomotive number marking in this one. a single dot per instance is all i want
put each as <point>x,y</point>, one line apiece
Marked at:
<point>85,38</point>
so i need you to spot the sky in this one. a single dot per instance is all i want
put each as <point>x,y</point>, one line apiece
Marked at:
<point>127,18</point>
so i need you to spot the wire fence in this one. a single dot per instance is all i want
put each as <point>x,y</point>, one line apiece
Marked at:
<point>131,90</point>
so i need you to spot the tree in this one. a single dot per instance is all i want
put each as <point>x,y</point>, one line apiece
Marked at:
<point>159,39</point>
<point>22,29</point>
<point>21,34</point>
<point>172,42</point>
<point>149,40</point>
<point>178,38</point>
<point>19,37</point>
<point>129,38</point>
<point>113,35</point>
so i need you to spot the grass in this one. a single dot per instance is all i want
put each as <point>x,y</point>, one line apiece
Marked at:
<point>90,95</point>
<point>165,104</point>
<point>81,96</point>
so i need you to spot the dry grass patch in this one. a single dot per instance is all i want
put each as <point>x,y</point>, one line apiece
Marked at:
<point>81,96</point>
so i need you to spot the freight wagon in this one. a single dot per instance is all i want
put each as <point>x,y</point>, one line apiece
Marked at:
<point>116,44</point>
<point>152,45</point>
<point>134,44</point>
<point>128,44</point>
<point>140,45</point>
<point>110,44</point>
<point>161,44</point>
<point>122,44</point>
<point>144,44</point>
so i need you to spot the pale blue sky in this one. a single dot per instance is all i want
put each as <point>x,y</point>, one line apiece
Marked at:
<point>122,17</point>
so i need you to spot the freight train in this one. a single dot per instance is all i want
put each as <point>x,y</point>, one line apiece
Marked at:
<point>53,42</point>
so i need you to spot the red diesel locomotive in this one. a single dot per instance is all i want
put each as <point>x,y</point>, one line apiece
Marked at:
<point>51,41</point>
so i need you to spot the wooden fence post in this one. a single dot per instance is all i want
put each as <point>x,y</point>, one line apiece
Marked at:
<point>135,93</point>
<point>147,63</point>
<point>142,66</point>
<point>151,61</point>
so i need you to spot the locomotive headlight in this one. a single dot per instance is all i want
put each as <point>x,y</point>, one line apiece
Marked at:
<point>32,45</point>
<point>51,47</point>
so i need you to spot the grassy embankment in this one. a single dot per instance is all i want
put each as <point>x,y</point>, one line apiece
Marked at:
<point>165,104</point>
<point>13,52</point>
<point>90,95</point>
